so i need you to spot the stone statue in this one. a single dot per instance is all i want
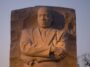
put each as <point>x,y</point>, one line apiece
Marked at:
<point>46,45</point>
<point>42,45</point>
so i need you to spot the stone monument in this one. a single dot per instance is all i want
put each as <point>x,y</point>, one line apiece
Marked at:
<point>43,36</point>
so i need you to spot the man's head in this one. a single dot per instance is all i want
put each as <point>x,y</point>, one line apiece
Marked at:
<point>44,17</point>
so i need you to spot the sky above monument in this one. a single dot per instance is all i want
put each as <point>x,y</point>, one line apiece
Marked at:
<point>82,8</point>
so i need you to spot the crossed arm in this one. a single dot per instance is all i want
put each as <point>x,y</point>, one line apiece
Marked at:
<point>29,48</point>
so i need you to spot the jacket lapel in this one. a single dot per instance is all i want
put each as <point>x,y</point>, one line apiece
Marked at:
<point>59,34</point>
<point>49,36</point>
<point>37,37</point>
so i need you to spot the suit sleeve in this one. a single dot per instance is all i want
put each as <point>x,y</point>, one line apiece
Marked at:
<point>27,46</point>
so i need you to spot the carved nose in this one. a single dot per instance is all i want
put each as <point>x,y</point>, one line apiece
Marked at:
<point>44,19</point>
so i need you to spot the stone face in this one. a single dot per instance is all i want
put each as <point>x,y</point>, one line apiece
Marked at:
<point>63,20</point>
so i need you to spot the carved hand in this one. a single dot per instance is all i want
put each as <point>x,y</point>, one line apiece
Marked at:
<point>58,52</point>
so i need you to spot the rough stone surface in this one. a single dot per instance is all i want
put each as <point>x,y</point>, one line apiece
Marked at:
<point>26,17</point>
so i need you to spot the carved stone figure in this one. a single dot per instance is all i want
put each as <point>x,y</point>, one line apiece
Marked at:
<point>49,43</point>
<point>43,44</point>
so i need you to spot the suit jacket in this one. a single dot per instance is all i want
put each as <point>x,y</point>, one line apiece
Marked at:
<point>34,48</point>
<point>32,44</point>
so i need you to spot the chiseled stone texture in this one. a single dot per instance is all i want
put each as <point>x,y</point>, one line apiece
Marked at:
<point>26,17</point>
